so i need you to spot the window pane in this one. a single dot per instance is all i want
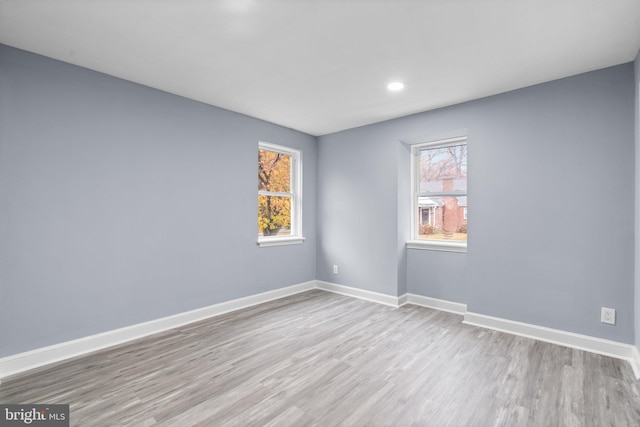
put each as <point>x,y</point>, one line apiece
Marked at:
<point>443,170</point>
<point>442,218</point>
<point>274,215</point>
<point>274,171</point>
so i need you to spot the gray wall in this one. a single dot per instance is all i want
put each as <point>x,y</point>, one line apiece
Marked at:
<point>551,193</point>
<point>358,209</point>
<point>637,216</point>
<point>121,204</point>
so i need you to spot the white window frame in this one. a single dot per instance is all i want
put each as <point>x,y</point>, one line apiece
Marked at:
<point>415,242</point>
<point>295,194</point>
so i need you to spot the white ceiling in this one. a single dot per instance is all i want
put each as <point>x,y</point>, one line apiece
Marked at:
<point>320,66</point>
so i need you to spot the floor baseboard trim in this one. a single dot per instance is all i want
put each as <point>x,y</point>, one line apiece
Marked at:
<point>635,361</point>
<point>437,304</point>
<point>555,336</point>
<point>403,299</point>
<point>22,362</point>
<point>359,293</point>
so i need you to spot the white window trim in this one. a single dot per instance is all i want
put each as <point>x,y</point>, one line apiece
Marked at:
<point>438,245</point>
<point>279,241</point>
<point>433,245</point>
<point>296,198</point>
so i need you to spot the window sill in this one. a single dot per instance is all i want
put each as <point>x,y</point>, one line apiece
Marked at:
<point>279,241</point>
<point>438,245</point>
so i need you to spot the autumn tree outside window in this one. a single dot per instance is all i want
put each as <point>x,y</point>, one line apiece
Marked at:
<point>279,195</point>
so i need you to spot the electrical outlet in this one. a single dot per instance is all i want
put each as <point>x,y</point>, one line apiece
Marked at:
<point>608,315</point>
<point>335,269</point>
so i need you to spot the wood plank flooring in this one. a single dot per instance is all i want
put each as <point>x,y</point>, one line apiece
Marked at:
<point>323,359</point>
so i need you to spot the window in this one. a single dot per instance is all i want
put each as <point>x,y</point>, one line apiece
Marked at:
<point>279,195</point>
<point>439,195</point>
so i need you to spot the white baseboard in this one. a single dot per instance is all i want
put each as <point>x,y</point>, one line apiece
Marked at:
<point>22,362</point>
<point>403,299</point>
<point>43,356</point>
<point>437,304</point>
<point>635,361</point>
<point>555,336</point>
<point>359,293</point>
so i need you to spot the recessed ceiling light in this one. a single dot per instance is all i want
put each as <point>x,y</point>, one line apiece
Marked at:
<point>395,86</point>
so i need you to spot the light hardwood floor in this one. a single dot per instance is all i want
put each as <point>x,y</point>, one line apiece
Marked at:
<point>323,359</point>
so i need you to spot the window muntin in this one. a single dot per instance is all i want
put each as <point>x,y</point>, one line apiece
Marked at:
<point>440,191</point>
<point>279,192</point>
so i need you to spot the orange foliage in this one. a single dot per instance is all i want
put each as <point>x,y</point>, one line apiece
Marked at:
<point>274,176</point>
